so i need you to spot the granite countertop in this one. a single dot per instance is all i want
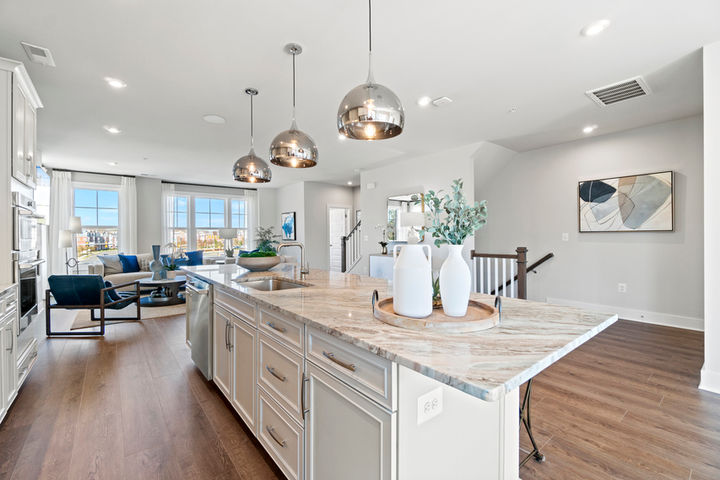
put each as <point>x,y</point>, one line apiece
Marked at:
<point>484,364</point>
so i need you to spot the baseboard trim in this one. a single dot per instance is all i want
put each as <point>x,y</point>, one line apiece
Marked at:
<point>657,318</point>
<point>709,381</point>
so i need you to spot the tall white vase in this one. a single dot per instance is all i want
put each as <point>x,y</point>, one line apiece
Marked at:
<point>455,283</point>
<point>412,281</point>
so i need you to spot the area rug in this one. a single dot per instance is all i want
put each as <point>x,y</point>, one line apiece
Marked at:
<point>82,319</point>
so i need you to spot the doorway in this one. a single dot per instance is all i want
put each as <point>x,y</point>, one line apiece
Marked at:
<point>338,225</point>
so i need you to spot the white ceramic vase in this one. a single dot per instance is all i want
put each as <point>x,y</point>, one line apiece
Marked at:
<point>412,281</point>
<point>455,283</point>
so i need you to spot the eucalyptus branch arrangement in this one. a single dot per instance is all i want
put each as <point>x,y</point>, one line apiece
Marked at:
<point>452,219</point>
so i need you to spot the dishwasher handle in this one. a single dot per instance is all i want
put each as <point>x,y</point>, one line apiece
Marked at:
<point>195,290</point>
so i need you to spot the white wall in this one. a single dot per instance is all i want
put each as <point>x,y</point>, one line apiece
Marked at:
<point>318,197</point>
<point>420,174</point>
<point>710,375</point>
<point>267,208</point>
<point>291,198</point>
<point>532,201</point>
<point>149,213</point>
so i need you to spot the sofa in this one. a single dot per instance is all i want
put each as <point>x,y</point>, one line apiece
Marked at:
<point>110,268</point>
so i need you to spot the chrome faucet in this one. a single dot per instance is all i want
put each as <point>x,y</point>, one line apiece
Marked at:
<point>304,270</point>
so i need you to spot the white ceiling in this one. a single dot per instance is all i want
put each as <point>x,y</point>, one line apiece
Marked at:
<point>184,59</point>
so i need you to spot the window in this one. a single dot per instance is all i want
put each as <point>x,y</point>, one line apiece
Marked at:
<point>194,221</point>
<point>178,221</point>
<point>98,212</point>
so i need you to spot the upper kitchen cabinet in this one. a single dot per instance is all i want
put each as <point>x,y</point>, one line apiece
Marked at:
<point>21,129</point>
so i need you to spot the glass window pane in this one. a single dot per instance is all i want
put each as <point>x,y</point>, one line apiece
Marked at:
<point>107,217</point>
<point>180,239</point>
<point>96,241</point>
<point>217,220</point>
<point>181,204</point>
<point>181,220</point>
<point>202,220</point>
<point>202,205</point>
<point>217,205</point>
<point>88,216</point>
<point>107,199</point>
<point>85,198</point>
<point>234,206</point>
<point>209,241</point>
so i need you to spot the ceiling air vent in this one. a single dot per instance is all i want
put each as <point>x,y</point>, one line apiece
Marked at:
<point>38,54</point>
<point>617,92</point>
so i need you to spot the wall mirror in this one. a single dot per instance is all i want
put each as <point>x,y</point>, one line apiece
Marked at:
<point>395,205</point>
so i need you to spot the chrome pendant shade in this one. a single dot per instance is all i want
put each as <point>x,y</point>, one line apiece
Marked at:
<point>370,111</point>
<point>293,148</point>
<point>251,168</point>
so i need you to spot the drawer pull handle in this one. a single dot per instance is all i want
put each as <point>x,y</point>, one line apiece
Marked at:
<point>275,374</point>
<point>272,433</point>
<point>275,327</point>
<point>331,356</point>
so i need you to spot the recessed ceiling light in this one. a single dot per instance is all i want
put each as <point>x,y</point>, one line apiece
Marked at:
<point>349,183</point>
<point>595,28</point>
<point>115,83</point>
<point>341,136</point>
<point>589,129</point>
<point>424,101</point>
<point>112,164</point>
<point>111,129</point>
<point>215,119</point>
<point>512,110</point>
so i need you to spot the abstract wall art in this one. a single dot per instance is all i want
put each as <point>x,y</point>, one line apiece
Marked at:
<point>635,203</point>
<point>287,224</point>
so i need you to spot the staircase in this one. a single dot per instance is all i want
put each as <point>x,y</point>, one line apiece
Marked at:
<point>350,249</point>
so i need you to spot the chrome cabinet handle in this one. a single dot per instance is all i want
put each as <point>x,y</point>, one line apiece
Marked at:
<point>302,396</point>
<point>272,433</point>
<point>331,356</point>
<point>230,340</point>
<point>275,374</point>
<point>227,335</point>
<point>275,327</point>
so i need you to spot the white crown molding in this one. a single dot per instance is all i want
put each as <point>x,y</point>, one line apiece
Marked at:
<point>656,318</point>
<point>23,80</point>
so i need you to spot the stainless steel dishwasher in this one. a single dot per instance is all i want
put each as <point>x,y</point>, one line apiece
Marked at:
<point>198,298</point>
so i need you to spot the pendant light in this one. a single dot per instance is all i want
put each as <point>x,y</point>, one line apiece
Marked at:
<point>370,111</point>
<point>293,148</point>
<point>251,168</point>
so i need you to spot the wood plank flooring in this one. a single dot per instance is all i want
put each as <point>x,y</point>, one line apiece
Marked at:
<point>131,405</point>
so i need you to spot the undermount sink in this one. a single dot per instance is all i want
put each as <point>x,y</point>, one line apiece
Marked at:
<point>271,284</point>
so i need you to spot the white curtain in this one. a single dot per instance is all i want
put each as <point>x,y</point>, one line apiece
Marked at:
<point>127,236</point>
<point>60,213</point>
<point>252,219</point>
<point>168,191</point>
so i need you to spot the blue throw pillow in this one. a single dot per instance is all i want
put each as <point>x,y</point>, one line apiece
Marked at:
<point>194,258</point>
<point>129,263</point>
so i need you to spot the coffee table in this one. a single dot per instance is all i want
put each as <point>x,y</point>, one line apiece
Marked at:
<point>166,292</point>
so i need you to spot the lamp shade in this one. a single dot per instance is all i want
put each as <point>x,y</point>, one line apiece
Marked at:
<point>65,239</point>
<point>75,225</point>
<point>227,233</point>
<point>412,219</point>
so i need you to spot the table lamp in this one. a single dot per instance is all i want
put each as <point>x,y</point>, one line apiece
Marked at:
<point>66,241</point>
<point>228,234</point>
<point>412,220</point>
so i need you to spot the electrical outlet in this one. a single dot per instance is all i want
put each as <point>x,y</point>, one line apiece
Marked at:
<point>622,287</point>
<point>565,237</point>
<point>429,405</point>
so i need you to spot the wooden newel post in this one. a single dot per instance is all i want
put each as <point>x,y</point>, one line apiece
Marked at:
<point>522,272</point>
<point>343,253</point>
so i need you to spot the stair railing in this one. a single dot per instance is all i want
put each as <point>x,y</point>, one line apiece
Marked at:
<point>350,248</point>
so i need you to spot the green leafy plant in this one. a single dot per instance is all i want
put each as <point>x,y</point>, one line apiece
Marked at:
<point>436,300</point>
<point>452,219</point>
<point>230,252</point>
<point>266,239</point>
<point>258,254</point>
<point>172,267</point>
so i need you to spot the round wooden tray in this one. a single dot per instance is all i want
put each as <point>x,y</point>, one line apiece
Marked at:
<point>479,316</point>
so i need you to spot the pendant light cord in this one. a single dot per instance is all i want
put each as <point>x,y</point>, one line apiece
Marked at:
<point>252,126</point>
<point>370,78</point>
<point>293,117</point>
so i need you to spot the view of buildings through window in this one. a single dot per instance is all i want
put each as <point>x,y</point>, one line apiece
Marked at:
<point>98,212</point>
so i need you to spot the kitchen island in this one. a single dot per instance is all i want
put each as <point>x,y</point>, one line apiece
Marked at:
<point>331,392</point>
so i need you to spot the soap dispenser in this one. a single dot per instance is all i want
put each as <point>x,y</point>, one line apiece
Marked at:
<point>412,278</point>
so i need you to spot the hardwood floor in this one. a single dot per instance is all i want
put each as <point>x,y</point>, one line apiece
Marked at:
<point>626,405</point>
<point>132,405</point>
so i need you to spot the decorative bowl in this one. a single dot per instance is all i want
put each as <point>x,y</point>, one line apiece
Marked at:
<point>258,264</point>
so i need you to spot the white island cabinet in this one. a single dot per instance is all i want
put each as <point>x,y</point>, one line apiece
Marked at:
<point>331,393</point>
<point>8,352</point>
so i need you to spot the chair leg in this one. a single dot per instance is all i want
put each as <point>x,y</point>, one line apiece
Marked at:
<point>102,320</point>
<point>50,333</point>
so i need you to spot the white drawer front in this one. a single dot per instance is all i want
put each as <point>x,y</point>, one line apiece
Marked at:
<point>280,373</point>
<point>288,330</point>
<point>243,309</point>
<point>281,436</point>
<point>8,301</point>
<point>372,375</point>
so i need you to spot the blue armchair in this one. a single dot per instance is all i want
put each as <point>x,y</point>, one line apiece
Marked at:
<point>87,292</point>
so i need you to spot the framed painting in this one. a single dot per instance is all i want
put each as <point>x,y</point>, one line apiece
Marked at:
<point>287,225</point>
<point>634,203</point>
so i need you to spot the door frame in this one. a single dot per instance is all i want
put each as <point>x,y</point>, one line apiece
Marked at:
<point>348,209</point>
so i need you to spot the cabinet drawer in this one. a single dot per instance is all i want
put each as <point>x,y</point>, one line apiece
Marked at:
<point>243,309</point>
<point>280,373</point>
<point>289,331</point>
<point>374,376</point>
<point>8,301</point>
<point>281,436</point>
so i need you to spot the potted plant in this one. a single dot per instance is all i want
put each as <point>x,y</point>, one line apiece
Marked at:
<point>171,270</point>
<point>384,237</point>
<point>266,239</point>
<point>452,220</point>
<point>265,256</point>
<point>230,255</point>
